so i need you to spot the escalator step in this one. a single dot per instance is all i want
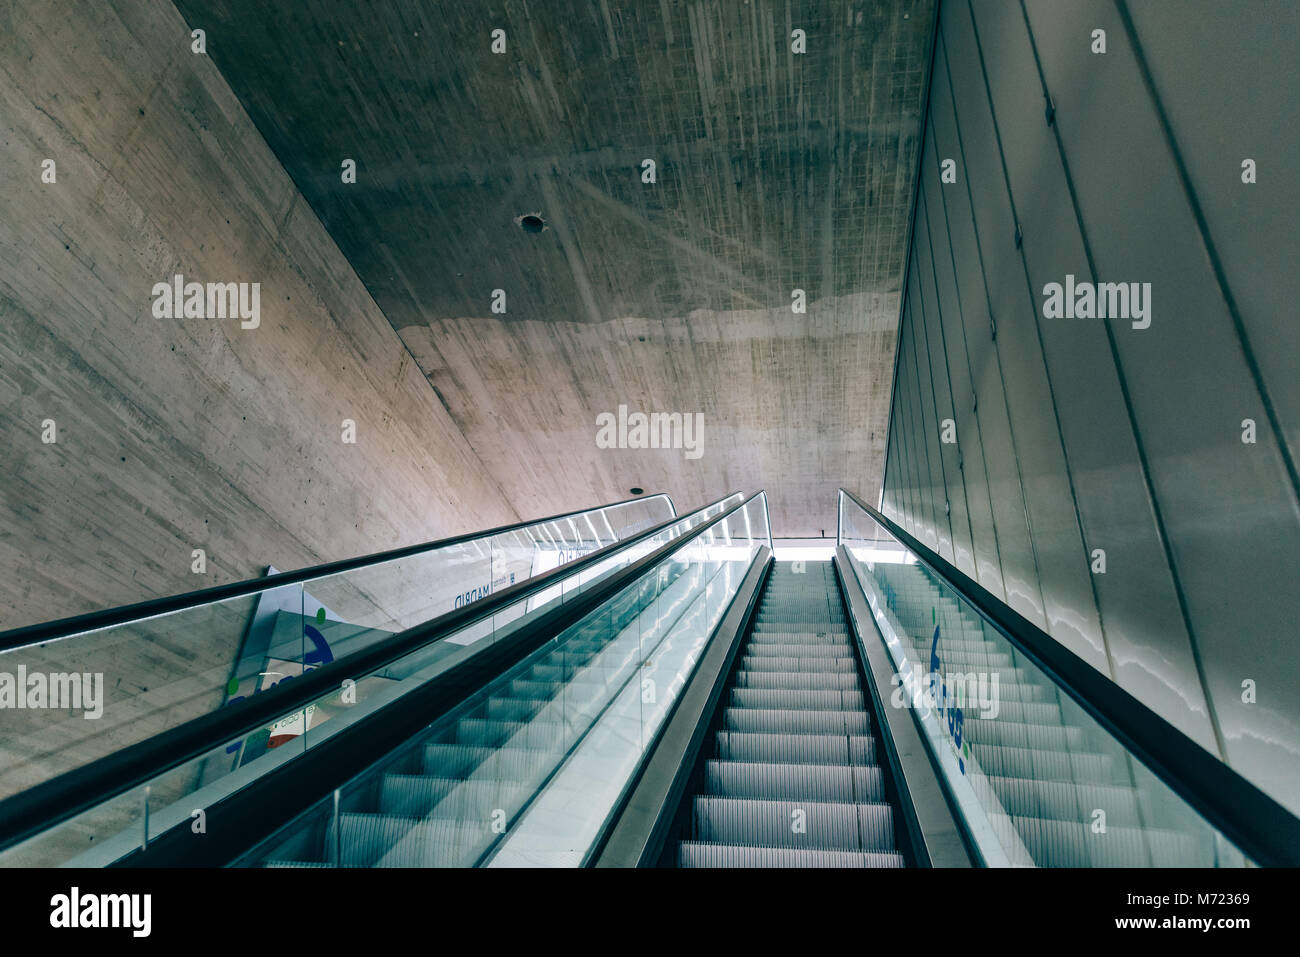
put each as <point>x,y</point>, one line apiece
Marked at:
<point>821,700</point>
<point>755,650</point>
<point>1064,801</point>
<point>857,749</point>
<point>1042,765</point>
<point>408,795</point>
<point>698,854</point>
<point>1018,735</point>
<point>382,840</point>
<point>769,721</point>
<point>771,663</point>
<point>796,680</point>
<point>817,782</point>
<point>1071,844</point>
<point>500,764</point>
<point>806,824</point>
<point>794,638</point>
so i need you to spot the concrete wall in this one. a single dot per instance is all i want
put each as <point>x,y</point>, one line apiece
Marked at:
<point>1081,434</point>
<point>184,433</point>
<point>776,171</point>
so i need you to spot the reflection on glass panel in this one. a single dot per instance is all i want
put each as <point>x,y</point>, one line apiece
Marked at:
<point>1038,781</point>
<point>299,634</point>
<point>135,680</point>
<point>528,771</point>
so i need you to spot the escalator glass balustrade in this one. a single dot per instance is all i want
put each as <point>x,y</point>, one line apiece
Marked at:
<point>126,821</point>
<point>530,770</point>
<point>1038,781</point>
<point>147,674</point>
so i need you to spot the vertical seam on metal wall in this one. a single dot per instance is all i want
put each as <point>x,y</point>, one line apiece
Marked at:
<point>997,354</point>
<point>911,223</point>
<point>1042,352</point>
<point>952,401</point>
<point>925,433</point>
<point>934,396</point>
<point>970,372</point>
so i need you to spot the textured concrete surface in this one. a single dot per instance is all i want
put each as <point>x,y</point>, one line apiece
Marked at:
<point>775,171</point>
<point>186,433</point>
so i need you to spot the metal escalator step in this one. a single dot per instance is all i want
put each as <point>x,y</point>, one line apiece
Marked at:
<point>1072,844</point>
<point>1066,801</point>
<point>815,782</point>
<point>1025,691</point>
<point>491,734</point>
<point>754,650</point>
<point>1038,737</point>
<point>995,759</point>
<point>511,709</point>
<point>958,660</point>
<point>799,638</point>
<point>786,636</point>
<point>453,760</point>
<point>469,801</point>
<point>795,680</point>
<point>1030,712</point>
<point>699,854</point>
<point>499,764</point>
<point>806,824</point>
<point>771,663</point>
<point>540,690</point>
<point>797,622</point>
<point>382,840</point>
<point>768,721</point>
<point>819,700</point>
<point>857,749</point>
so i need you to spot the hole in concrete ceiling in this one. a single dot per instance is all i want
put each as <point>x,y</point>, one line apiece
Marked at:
<point>637,491</point>
<point>531,223</point>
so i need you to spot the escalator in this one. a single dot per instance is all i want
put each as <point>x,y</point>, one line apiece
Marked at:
<point>674,697</point>
<point>1050,773</point>
<point>792,779</point>
<point>102,793</point>
<point>435,800</point>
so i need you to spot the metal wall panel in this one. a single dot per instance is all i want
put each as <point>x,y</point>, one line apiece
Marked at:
<point>1229,508</point>
<point>1150,654</point>
<point>936,368</point>
<point>1089,433</point>
<point>974,526</point>
<point>1020,581</point>
<point>1245,108</point>
<point>932,416</point>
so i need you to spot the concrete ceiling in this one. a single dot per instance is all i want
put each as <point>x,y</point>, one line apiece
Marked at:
<point>775,172</point>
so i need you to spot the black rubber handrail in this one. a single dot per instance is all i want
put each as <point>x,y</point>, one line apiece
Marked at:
<point>66,795</point>
<point>1261,827</point>
<point>122,614</point>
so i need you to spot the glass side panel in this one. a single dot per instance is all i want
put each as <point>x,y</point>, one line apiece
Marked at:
<point>1037,780</point>
<point>135,680</point>
<point>100,836</point>
<point>529,770</point>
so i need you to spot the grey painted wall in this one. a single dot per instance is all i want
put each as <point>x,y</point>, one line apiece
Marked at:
<point>1082,434</point>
